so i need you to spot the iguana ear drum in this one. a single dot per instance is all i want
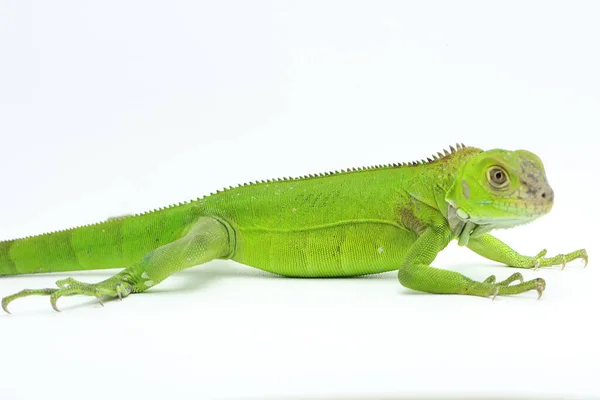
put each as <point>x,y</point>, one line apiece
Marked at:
<point>466,189</point>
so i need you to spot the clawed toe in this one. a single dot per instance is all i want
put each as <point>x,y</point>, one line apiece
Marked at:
<point>505,287</point>
<point>540,260</point>
<point>514,277</point>
<point>63,283</point>
<point>24,293</point>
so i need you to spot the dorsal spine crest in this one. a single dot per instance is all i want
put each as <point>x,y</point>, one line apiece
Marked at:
<point>434,158</point>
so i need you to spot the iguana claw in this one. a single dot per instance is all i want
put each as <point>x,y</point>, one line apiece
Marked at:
<point>540,287</point>
<point>537,260</point>
<point>121,290</point>
<point>495,293</point>
<point>53,302</point>
<point>564,262</point>
<point>5,306</point>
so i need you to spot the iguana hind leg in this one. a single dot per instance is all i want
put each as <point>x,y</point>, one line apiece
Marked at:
<point>208,239</point>
<point>494,249</point>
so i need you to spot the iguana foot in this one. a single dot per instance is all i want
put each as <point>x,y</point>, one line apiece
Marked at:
<point>505,289</point>
<point>561,259</point>
<point>119,286</point>
<point>489,288</point>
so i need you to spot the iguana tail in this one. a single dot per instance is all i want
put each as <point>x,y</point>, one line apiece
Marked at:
<point>84,248</point>
<point>116,243</point>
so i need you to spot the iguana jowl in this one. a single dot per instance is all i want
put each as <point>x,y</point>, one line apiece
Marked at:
<point>354,222</point>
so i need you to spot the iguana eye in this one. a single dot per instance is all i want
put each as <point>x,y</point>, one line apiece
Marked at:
<point>497,176</point>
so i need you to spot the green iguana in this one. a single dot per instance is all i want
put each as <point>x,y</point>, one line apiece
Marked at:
<point>353,222</point>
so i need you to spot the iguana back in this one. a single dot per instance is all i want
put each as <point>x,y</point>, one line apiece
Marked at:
<point>330,224</point>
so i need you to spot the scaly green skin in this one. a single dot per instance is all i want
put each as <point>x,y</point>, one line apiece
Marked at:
<point>358,222</point>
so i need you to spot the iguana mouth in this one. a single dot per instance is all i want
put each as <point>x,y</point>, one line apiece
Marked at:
<point>522,213</point>
<point>465,225</point>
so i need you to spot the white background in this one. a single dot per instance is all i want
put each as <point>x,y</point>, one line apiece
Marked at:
<point>109,108</point>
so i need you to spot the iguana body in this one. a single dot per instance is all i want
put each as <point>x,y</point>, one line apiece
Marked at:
<point>355,222</point>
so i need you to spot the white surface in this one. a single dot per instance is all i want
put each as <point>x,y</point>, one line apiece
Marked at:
<point>109,108</point>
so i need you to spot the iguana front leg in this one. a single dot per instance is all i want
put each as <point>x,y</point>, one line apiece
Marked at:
<point>494,249</point>
<point>208,239</point>
<point>416,272</point>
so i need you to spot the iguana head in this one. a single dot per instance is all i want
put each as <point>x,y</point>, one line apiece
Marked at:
<point>500,189</point>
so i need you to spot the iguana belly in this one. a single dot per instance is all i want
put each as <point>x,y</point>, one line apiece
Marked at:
<point>339,249</point>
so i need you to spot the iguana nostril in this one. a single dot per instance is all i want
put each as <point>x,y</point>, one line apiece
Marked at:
<point>547,195</point>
